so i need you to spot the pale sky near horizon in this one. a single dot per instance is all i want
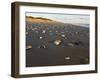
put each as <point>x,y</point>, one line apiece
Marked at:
<point>65,18</point>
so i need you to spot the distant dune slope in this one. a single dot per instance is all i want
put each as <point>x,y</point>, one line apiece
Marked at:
<point>38,19</point>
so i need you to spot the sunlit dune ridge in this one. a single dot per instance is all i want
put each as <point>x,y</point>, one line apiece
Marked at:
<point>38,19</point>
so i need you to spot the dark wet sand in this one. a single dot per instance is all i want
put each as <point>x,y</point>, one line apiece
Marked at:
<point>74,46</point>
<point>53,57</point>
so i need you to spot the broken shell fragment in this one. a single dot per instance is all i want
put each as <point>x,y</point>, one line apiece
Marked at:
<point>40,37</point>
<point>29,47</point>
<point>42,46</point>
<point>43,31</point>
<point>67,58</point>
<point>63,35</point>
<point>57,42</point>
<point>70,44</point>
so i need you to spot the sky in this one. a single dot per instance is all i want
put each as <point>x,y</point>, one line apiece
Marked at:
<point>78,19</point>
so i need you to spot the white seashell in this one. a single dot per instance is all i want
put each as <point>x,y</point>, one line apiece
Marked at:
<point>41,37</point>
<point>43,31</point>
<point>57,42</point>
<point>67,58</point>
<point>63,35</point>
<point>29,47</point>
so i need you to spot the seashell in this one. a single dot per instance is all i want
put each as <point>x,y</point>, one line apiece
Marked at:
<point>29,47</point>
<point>67,58</point>
<point>57,42</point>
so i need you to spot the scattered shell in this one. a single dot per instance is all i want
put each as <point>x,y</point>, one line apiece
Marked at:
<point>33,29</point>
<point>63,35</point>
<point>29,47</point>
<point>57,42</point>
<point>42,46</point>
<point>41,37</point>
<point>76,32</point>
<point>67,58</point>
<point>70,44</point>
<point>43,31</point>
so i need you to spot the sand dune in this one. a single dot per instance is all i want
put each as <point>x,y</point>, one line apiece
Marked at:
<point>38,19</point>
